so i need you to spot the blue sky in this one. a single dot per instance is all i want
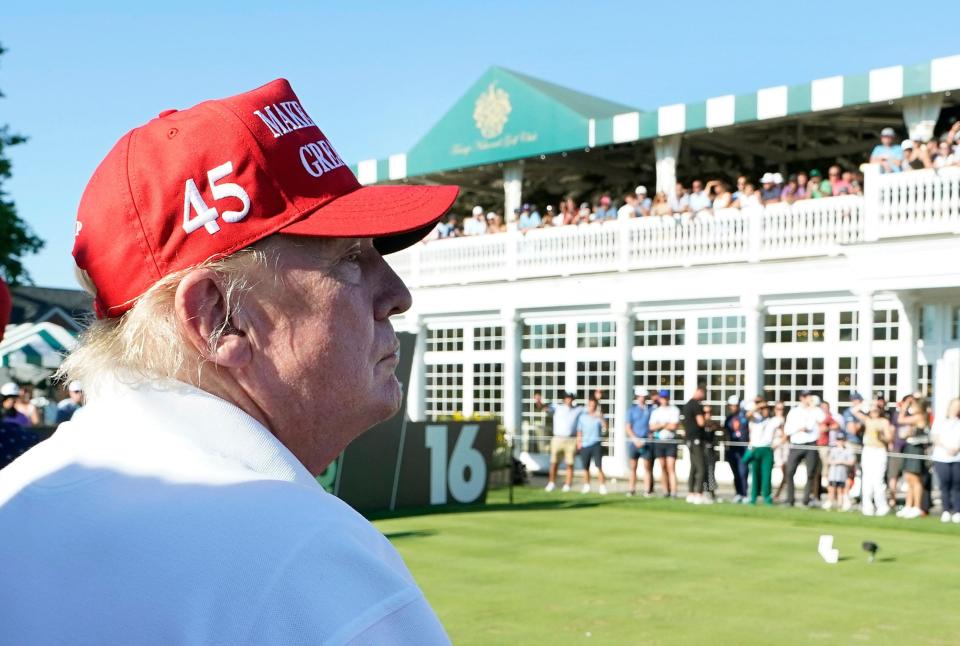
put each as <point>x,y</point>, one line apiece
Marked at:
<point>376,76</point>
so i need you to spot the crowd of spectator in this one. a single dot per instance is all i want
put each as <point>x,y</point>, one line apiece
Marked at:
<point>23,411</point>
<point>702,198</point>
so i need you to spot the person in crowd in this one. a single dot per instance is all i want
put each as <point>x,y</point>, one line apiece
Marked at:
<point>644,203</point>
<point>946,155</point>
<point>825,439</point>
<point>585,214</point>
<point>639,449</point>
<point>694,422</point>
<point>67,408</point>
<point>741,184</point>
<point>661,205</point>
<point>840,464</point>
<point>710,454</point>
<point>838,185</point>
<point>766,431</point>
<point>719,193</point>
<point>664,422</point>
<point>851,422</point>
<point>680,200</point>
<point>781,448</point>
<point>10,392</point>
<point>629,208</point>
<point>749,197</point>
<point>887,154</point>
<point>495,223</point>
<point>912,425</point>
<point>477,223</point>
<point>802,426</point>
<point>529,219</point>
<point>448,229</point>
<point>818,186</point>
<point>26,405</point>
<point>769,191</point>
<point>736,430</point>
<point>549,217</point>
<point>896,444</point>
<point>790,189</point>
<point>590,429</point>
<point>605,210</point>
<point>569,211</point>
<point>699,200</point>
<point>877,432</point>
<point>563,444</point>
<point>946,460</point>
<point>15,439</point>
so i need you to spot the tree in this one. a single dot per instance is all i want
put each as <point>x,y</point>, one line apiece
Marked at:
<point>16,238</point>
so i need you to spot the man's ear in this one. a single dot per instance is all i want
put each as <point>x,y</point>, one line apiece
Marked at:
<point>201,310</point>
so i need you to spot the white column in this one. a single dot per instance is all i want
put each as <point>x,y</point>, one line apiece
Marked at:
<point>512,189</point>
<point>667,149</point>
<point>920,114</point>
<point>623,397</point>
<point>871,203</point>
<point>512,390</point>
<point>907,354</point>
<point>416,396</point>
<point>865,344</point>
<point>753,312</point>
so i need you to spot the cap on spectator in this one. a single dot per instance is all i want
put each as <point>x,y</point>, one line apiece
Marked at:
<point>75,387</point>
<point>640,391</point>
<point>569,395</point>
<point>777,178</point>
<point>815,400</point>
<point>605,200</point>
<point>584,205</point>
<point>841,436</point>
<point>906,144</point>
<point>888,132</point>
<point>879,395</point>
<point>733,400</point>
<point>491,215</point>
<point>767,178</point>
<point>664,393</point>
<point>856,397</point>
<point>815,172</point>
<point>806,393</point>
<point>526,207</point>
<point>516,211</point>
<point>641,190</point>
<point>9,389</point>
<point>477,210</point>
<point>549,209</point>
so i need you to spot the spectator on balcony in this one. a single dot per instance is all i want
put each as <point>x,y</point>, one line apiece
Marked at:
<point>741,184</point>
<point>477,224</point>
<point>749,197</point>
<point>585,214</point>
<point>946,155</point>
<point>699,199</point>
<point>887,154</point>
<point>605,210</point>
<point>661,205</point>
<point>839,185</point>
<point>720,194</point>
<point>915,157</point>
<point>495,223</point>
<point>568,211</point>
<point>549,218</point>
<point>790,191</point>
<point>769,191</point>
<point>528,219</point>
<point>629,208</point>
<point>643,202</point>
<point>818,186</point>
<point>680,200</point>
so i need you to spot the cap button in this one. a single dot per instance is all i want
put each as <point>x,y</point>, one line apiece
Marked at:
<point>165,113</point>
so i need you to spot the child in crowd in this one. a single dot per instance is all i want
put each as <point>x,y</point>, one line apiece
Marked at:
<point>840,462</point>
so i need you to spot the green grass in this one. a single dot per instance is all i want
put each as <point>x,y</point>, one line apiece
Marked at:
<point>571,569</point>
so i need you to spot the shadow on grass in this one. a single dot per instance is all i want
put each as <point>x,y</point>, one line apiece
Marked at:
<point>416,533</point>
<point>532,505</point>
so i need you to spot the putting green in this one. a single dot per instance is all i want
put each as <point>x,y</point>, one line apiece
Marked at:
<point>566,568</point>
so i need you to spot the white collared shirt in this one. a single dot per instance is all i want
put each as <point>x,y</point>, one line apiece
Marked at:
<point>802,425</point>
<point>164,515</point>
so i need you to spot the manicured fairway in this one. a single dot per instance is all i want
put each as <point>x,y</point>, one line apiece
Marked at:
<point>567,569</point>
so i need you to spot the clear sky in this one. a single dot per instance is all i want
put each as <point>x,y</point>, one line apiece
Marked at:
<point>376,75</point>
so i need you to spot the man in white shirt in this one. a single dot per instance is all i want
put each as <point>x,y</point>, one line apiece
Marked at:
<point>243,340</point>
<point>476,225</point>
<point>664,422</point>
<point>802,427</point>
<point>563,444</point>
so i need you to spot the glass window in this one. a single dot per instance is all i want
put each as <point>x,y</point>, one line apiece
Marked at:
<point>544,336</point>
<point>488,389</point>
<point>659,332</point>
<point>803,327</point>
<point>488,338</point>
<point>715,330</point>
<point>596,334</point>
<point>886,325</point>
<point>444,395</point>
<point>445,339</point>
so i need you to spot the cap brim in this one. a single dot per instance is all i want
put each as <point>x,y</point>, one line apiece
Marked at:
<point>394,216</point>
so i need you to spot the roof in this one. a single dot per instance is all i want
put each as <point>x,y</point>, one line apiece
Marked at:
<point>34,304</point>
<point>560,119</point>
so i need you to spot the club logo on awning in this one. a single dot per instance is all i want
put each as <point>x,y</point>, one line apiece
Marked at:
<point>491,111</point>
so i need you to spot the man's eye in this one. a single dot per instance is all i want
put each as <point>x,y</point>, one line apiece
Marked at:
<point>353,257</point>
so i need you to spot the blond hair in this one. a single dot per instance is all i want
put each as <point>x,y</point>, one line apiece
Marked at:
<point>147,343</point>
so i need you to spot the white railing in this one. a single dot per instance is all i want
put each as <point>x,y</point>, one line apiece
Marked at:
<point>899,205</point>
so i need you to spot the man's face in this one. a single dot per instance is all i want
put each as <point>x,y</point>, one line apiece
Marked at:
<point>592,406</point>
<point>324,348</point>
<point>886,140</point>
<point>697,186</point>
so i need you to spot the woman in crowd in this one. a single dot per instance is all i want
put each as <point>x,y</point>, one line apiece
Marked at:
<point>719,193</point>
<point>912,426</point>
<point>789,192</point>
<point>781,447</point>
<point>661,206</point>
<point>877,432</point>
<point>749,197</point>
<point>946,460</point>
<point>766,430</point>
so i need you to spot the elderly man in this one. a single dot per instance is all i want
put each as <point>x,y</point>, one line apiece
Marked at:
<point>244,340</point>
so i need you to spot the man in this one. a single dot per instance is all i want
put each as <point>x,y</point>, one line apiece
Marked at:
<point>528,219</point>
<point>477,224</point>
<point>679,201</point>
<point>590,428</point>
<point>66,408</point>
<point>629,208</point>
<point>736,430</point>
<point>638,447</point>
<point>802,427</point>
<point>605,210</point>
<point>244,341</point>
<point>887,154</point>
<point>769,190</point>
<point>643,202</point>
<point>693,428</point>
<point>664,422</point>
<point>699,200</point>
<point>563,444</point>
<point>839,185</point>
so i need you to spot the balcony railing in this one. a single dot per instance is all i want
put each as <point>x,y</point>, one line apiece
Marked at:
<point>893,206</point>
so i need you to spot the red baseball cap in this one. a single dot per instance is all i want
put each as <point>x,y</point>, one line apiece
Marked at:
<point>199,184</point>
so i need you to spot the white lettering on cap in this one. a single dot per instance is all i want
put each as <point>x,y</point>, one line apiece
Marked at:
<point>319,157</point>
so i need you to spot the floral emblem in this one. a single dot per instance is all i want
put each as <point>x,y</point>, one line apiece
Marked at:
<point>491,111</point>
